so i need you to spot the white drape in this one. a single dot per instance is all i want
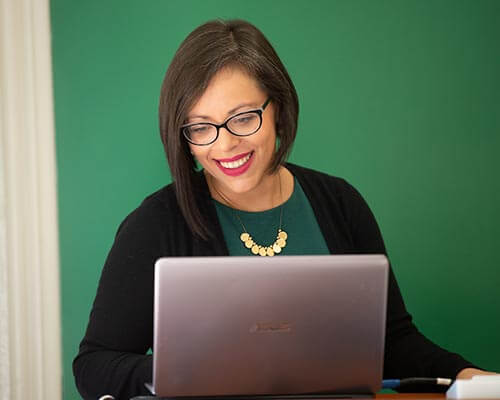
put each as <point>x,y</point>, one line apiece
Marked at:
<point>30,345</point>
<point>4,316</point>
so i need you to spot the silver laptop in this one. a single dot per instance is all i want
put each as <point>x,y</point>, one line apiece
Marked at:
<point>286,325</point>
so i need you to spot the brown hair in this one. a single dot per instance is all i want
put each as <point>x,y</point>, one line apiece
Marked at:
<point>205,51</point>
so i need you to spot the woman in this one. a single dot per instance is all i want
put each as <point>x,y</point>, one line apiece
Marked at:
<point>228,105</point>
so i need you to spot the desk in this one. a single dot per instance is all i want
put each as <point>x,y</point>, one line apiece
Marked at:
<point>387,396</point>
<point>412,396</point>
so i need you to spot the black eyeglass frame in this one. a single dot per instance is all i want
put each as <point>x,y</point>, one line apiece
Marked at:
<point>258,111</point>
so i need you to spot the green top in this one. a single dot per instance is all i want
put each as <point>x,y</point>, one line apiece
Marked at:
<point>298,221</point>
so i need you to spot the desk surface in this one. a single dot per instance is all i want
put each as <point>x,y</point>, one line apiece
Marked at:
<point>412,396</point>
<point>387,396</point>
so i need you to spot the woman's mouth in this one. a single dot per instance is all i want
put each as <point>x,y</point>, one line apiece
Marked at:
<point>237,165</point>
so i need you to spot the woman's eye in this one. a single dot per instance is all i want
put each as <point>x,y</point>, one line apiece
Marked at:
<point>244,119</point>
<point>198,129</point>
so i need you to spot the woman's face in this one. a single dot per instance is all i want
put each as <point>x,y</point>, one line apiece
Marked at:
<point>237,164</point>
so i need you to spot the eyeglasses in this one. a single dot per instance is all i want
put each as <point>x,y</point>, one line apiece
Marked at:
<point>242,124</point>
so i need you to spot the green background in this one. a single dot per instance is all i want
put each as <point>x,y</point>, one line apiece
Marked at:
<point>401,98</point>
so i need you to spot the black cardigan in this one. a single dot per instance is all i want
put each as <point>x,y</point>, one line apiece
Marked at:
<point>112,357</point>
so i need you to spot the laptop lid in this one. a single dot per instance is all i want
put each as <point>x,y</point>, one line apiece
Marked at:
<point>228,326</point>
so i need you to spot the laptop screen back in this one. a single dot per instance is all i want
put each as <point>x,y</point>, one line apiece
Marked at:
<point>269,325</point>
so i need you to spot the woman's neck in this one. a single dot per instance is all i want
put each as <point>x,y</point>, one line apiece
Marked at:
<point>272,191</point>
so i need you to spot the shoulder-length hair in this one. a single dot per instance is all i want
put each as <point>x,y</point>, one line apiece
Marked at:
<point>205,51</point>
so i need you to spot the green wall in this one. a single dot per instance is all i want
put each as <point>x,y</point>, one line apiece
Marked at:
<point>402,98</point>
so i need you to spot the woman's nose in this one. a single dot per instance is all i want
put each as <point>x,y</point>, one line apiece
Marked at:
<point>226,140</point>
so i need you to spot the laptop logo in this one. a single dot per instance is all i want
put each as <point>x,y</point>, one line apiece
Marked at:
<point>269,327</point>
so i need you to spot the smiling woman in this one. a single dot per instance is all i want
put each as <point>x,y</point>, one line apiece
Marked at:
<point>238,165</point>
<point>217,71</point>
<point>228,104</point>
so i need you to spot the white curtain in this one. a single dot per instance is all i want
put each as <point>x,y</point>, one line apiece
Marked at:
<point>30,344</point>
<point>4,316</point>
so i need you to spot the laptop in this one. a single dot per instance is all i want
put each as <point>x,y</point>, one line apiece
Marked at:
<point>269,326</point>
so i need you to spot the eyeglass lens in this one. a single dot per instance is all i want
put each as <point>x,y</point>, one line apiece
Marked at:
<point>241,124</point>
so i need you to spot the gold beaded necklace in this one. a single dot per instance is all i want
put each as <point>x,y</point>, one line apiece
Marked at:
<point>250,244</point>
<point>260,250</point>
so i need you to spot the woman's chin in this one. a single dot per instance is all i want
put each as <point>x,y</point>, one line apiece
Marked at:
<point>238,188</point>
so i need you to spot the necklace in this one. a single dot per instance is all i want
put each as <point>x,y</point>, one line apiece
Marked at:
<point>260,250</point>
<point>250,244</point>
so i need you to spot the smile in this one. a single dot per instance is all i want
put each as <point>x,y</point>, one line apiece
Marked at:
<point>235,166</point>
<point>237,163</point>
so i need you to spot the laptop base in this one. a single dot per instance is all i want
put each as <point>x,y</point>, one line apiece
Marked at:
<point>266,397</point>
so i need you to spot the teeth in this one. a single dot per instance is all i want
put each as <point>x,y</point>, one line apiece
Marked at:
<point>237,163</point>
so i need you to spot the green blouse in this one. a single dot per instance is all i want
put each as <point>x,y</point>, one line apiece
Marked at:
<point>298,221</point>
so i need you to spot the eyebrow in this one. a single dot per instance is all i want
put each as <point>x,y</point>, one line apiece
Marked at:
<point>231,111</point>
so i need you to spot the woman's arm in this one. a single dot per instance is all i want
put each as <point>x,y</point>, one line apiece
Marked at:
<point>468,373</point>
<point>112,357</point>
<point>408,353</point>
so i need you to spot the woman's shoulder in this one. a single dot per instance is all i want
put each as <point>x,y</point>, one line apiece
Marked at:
<point>154,213</point>
<point>329,192</point>
<point>320,181</point>
<point>165,199</point>
<point>160,210</point>
<point>162,199</point>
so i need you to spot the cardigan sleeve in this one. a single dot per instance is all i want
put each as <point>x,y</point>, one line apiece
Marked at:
<point>112,357</point>
<point>408,353</point>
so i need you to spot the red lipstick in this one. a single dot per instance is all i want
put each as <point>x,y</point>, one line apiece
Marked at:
<point>235,171</point>
<point>233,158</point>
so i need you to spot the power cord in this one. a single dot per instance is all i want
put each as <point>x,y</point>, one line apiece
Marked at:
<point>397,383</point>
